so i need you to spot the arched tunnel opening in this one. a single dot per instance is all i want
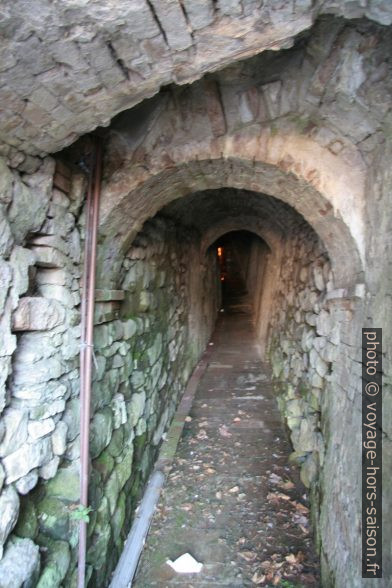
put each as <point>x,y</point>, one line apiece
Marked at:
<point>202,274</point>
<point>235,251</point>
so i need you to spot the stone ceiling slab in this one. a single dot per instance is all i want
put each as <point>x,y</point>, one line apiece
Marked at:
<point>67,67</point>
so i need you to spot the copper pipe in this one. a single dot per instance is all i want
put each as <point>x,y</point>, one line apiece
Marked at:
<point>86,351</point>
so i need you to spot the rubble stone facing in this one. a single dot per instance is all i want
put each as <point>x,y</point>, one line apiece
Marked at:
<point>297,145</point>
<point>293,122</point>
<point>145,349</point>
<point>331,104</point>
<point>68,68</point>
<point>39,354</point>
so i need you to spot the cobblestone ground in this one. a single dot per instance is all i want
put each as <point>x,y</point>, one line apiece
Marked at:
<point>232,500</point>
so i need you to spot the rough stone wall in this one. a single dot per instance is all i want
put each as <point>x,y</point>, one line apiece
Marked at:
<point>379,307</point>
<point>319,121</point>
<point>39,269</point>
<point>301,354</point>
<point>148,336</point>
<point>319,114</point>
<point>68,67</point>
<point>307,112</point>
<point>315,351</point>
<point>144,361</point>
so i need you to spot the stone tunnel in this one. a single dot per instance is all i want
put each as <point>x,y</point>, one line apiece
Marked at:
<point>265,127</point>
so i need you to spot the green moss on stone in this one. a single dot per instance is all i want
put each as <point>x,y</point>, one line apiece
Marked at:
<point>56,565</point>
<point>101,543</point>
<point>116,444</point>
<point>27,525</point>
<point>54,518</point>
<point>118,518</point>
<point>104,464</point>
<point>124,468</point>
<point>65,485</point>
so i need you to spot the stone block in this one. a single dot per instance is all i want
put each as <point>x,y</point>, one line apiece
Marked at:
<point>136,407</point>
<point>54,518</point>
<point>15,423</point>
<point>155,350</point>
<point>51,409</point>
<point>44,370</point>
<point>21,259</point>
<point>6,180</point>
<point>19,567</point>
<point>309,470</point>
<point>200,13</point>
<point>65,485</point>
<point>100,431</point>
<point>6,237</point>
<point>38,429</point>
<point>29,204</point>
<point>9,508</point>
<point>49,470</point>
<point>137,379</point>
<point>5,281</point>
<point>174,24</point>
<point>26,458</point>
<point>39,396</point>
<point>57,563</point>
<point>119,411</point>
<point>27,483</point>
<point>7,339</point>
<point>49,257</point>
<point>59,438</point>
<point>37,314</point>
<point>124,468</point>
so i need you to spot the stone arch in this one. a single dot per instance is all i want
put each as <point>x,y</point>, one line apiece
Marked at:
<point>296,169</point>
<point>257,226</point>
<point>272,238</point>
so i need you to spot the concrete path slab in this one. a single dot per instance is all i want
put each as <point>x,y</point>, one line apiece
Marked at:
<point>232,500</point>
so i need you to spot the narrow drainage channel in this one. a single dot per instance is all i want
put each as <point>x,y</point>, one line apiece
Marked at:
<point>232,500</point>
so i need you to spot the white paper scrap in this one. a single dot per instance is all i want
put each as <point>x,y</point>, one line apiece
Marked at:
<point>185,564</point>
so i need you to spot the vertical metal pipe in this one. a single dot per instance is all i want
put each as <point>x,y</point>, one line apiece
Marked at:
<point>86,352</point>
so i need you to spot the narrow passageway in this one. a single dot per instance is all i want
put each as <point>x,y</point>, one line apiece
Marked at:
<point>232,500</point>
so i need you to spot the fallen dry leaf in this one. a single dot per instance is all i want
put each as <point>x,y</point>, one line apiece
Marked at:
<point>289,485</point>
<point>258,578</point>
<point>224,432</point>
<point>291,559</point>
<point>188,419</point>
<point>218,495</point>
<point>234,490</point>
<point>304,530</point>
<point>248,555</point>
<point>276,496</point>
<point>301,507</point>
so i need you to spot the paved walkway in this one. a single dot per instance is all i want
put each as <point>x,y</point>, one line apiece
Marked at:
<point>232,500</point>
